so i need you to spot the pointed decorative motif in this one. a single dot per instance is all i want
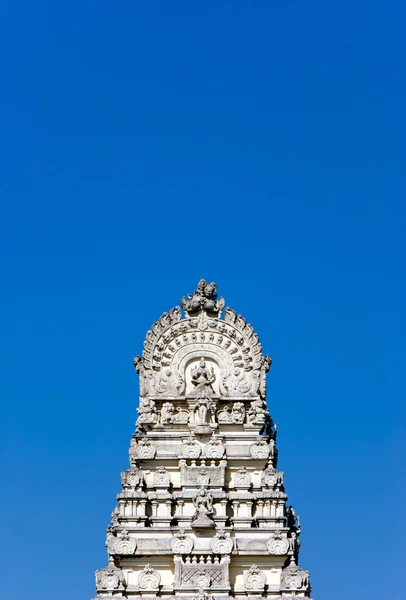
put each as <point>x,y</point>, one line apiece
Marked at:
<point>202,498</point>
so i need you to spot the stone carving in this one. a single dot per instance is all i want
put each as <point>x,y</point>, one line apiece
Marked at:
<point>202,379</point>
<point>260,448</point>
<point>133,478</point>
<point>204,298</point>
<point>214,448</point>
<point>257,412</point>
<point>292,519</point>
<point>265,366</point>
<point>121,544</point>
<point>149,579</point>
<point>278,544</point>
<point>254,580</point>
<point>222,543</point>
<point>202,595</point>
<point>272,478</point>
<point>114,517</point>
<point>194,475</point>
<point>144,448</point>
<point>242,479</point>
<point>161,478</point>
<point>251,347</point>
<point>233,414</point>
<point>242,383</point>
<point>109,579</point>
<point>294,544</point>
<point>294,578</point>
<point>203,503</point>
<point>191,447</point>
<point>203,572</point>
<point>147,412</point>
<point>171,415</point>
<point>181,543</point>
<point>203,413</point>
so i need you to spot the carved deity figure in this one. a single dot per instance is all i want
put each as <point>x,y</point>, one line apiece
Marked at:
<point>204,298</point>
<point>204,405</point>
<point>202,379</point>
<point>265,366</point>
<point>203,503</point>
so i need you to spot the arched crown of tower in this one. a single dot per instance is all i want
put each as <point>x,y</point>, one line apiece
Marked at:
<point>202,353</point>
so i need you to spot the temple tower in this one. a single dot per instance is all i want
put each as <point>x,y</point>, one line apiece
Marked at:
<point>203,511</point>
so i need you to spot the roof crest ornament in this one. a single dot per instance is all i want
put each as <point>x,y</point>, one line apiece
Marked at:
<point>204,298</point>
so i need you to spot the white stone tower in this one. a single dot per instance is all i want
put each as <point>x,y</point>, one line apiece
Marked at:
<point>202,513</point>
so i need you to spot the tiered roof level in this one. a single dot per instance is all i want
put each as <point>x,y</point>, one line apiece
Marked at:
<point>203,512</point>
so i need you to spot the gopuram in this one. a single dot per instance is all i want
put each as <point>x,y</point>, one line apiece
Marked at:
<point>203,512</point>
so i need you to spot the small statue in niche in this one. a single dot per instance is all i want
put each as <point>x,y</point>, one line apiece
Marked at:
<point>203,503</point>
<point>203,379</point>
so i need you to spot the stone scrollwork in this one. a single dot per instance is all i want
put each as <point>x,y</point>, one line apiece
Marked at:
<point>278,543</point>
<point>254,579</point>
<point>149,579</point>
<point>133,478</point>
<point>182,543</point>
<point>110,578</point>
<point>222,543</point>
<point>242,383</point>
<point>232,414</point>
<point>294,578</point>
<point>251,347</point>
<point>260,448</point>
<point>191,447</point>
<point>214,448</point>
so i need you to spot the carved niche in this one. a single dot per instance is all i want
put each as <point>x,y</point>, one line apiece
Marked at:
<point>278,543</point>
<point>222,543</point>
<point>175,350</point>
<point>294,578</point>
<point>182,543</point>
<point>149,579</point>
<point>254,579</point>
<point>133,478</point>
<point>109,579</point>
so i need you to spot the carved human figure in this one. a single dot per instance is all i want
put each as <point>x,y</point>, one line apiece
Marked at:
<point>203,379</point>
<point>203,503</point>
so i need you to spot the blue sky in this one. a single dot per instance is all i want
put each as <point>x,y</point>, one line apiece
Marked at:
<point>145,145</point>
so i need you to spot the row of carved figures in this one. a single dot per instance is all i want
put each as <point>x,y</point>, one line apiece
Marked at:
<point>143,448</point>
<point>122,543</point>
<point>204,413</point>
<point>200,575</point>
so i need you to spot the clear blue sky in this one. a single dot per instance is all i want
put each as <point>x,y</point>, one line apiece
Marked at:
<point>145,145</point>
